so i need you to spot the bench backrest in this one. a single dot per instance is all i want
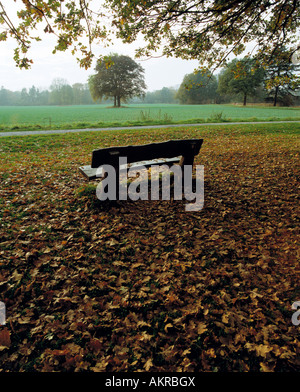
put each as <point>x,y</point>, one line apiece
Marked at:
<point>168,149</point>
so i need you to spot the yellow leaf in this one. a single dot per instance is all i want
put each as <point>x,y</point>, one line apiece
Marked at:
<point>225,318</point>
<point>267,367</point>
<point>148,365</point>
<point>263,350</point>
<point>201,328</point>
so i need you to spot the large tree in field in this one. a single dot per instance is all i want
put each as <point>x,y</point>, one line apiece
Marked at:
<point>240,77</point>
<point>197,89</point>
<point>119,77</point>
<point>206,30</point>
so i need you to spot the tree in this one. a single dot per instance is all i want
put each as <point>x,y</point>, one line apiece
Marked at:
<point>240,77</point>
<point>6,97</point>
<point>71,21</point>
<point>33,95</point>
<point>207,30</point>
<point>197,89</point>
<point>61,92</point>
<point>281,79</point>
<point>24,97</point>
<point>165,95</point>
<point>119,78</point>
<point>78,92</point>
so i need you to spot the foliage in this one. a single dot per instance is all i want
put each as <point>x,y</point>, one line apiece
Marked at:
<point>208,30</point>
<point>198,89</point>
<point>145,286</point>
<point>205,30</point>
<point>165,95</point>
<point>70,21</point>
<point>281,77</point>
<point>217,117</point>
<point>119,77</point>
<point>241,77</point>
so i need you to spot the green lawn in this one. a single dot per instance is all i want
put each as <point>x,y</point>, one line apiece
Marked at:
<point>46,117</point>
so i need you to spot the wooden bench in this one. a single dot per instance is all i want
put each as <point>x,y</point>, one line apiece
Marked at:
<point>146,155</point>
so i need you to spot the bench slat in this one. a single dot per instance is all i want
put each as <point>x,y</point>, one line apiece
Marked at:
<point>90,173</point>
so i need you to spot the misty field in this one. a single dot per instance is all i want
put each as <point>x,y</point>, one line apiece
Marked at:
<point>47,117</point>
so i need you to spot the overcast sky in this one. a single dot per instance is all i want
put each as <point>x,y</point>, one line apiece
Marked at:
<point>159,72</point>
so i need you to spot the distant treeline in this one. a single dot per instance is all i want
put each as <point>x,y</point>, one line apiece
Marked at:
<point>239,81</point>
<point>77,94</point>
<point>59,93</point>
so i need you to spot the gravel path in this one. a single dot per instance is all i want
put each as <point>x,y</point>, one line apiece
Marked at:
<point>48,132</point>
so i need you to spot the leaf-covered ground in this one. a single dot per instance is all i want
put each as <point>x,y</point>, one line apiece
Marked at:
<point>145,285</point>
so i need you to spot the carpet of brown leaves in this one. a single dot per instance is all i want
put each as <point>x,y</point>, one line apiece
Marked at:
<point>145,285</point>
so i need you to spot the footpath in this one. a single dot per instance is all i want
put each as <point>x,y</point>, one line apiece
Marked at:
<point>49,132</point>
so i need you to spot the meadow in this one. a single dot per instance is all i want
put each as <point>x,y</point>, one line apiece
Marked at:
<point>93,116</point>
<point>145,285</point>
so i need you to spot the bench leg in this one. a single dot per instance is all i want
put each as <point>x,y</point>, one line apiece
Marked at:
<point>187,160</point>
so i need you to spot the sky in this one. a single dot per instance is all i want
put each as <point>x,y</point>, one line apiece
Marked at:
<point>159,72</point>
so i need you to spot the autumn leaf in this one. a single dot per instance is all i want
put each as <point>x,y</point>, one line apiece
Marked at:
<point>262,350</point>
<point>167,326</point>
<point>95,345</point>
<point>5,341</point>
<point>148,365</point>
<point>225,318</point>
<point>267,367</point>
<point>202,327</point>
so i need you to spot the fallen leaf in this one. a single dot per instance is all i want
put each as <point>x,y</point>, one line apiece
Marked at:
<point>202,327</point>
<point>148,365</point>
<point>169,325</point>
<point>4,338</point>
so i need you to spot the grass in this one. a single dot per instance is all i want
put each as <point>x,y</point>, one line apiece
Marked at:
<point>96,116</point>
<point>145,286</point>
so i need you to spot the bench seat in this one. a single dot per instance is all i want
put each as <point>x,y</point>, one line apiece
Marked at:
<point>90,173</point>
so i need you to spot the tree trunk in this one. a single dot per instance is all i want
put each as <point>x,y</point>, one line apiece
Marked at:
<point>276,95</point>
<point>119,101</point>
<point>245,99</point>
